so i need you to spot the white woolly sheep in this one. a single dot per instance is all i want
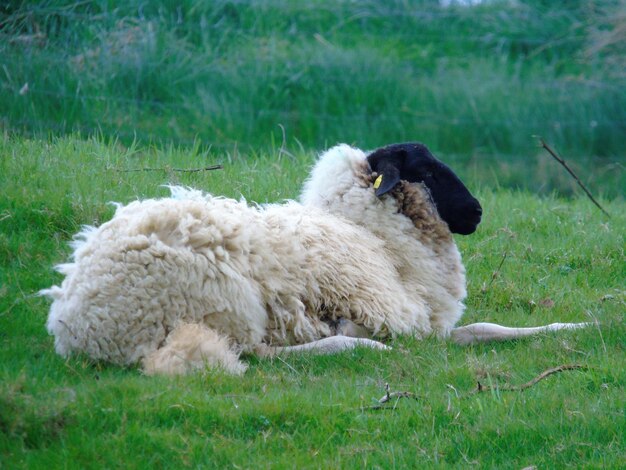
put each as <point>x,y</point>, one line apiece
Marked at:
<point>193,280</point>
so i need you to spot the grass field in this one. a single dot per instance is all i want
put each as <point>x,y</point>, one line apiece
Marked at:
<point>533,261</point>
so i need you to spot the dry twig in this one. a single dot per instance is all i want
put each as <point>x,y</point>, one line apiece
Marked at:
<point>398,395</point>
<point>571,172</point>
<point>388,396</point>
<point>182,170</point>
<point>510,388</point>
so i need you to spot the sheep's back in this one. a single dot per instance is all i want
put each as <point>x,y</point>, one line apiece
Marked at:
<point>332,268</point>
<point>155,264</point>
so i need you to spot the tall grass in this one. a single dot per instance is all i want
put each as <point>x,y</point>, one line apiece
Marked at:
<point>564,262</point>
<point>476,82</point>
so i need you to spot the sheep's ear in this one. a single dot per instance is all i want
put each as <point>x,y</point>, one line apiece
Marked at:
<point>388,177</point>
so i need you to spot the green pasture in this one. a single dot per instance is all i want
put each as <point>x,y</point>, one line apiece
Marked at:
<point>534,260</point>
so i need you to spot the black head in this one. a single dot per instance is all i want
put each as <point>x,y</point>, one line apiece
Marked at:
<point>414,163</point>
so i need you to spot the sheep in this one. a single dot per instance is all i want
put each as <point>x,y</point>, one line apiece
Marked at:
<point>195,280</point>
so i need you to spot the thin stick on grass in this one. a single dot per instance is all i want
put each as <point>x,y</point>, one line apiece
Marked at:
<point>398,395</point>
<point>387,397</point>
<point>182,170</point>
<point>571,172</point>
<point>512,388</point>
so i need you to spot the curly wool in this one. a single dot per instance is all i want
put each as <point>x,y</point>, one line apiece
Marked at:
<point>243,276</point>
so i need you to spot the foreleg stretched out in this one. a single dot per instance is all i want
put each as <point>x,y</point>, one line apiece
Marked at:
<point>348,335</point>
<point>330,345</point>
<point>351,335</point>
<point>485,332</point>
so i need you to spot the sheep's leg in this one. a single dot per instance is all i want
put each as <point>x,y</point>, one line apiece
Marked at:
<point>190,347</point>
<point>330,345</point>
<point>485,332</point>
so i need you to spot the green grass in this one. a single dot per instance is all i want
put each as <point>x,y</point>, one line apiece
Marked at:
<point>564,261</point>
<point>474,82</point>
<point>259,87</point>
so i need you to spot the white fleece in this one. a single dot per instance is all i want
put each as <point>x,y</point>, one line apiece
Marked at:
<point>247,275</point>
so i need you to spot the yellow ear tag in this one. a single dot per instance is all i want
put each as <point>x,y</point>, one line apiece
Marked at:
<point>378,181</point>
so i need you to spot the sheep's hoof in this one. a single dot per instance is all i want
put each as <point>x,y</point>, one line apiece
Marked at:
<point>347,327</point>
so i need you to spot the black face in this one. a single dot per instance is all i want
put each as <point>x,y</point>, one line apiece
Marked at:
<point>414,163</point>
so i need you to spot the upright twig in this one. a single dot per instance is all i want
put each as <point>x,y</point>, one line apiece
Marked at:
<point>571,172</point>
<point>496,273</point>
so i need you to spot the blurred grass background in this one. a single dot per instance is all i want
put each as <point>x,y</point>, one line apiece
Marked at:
<point>239,77</point>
